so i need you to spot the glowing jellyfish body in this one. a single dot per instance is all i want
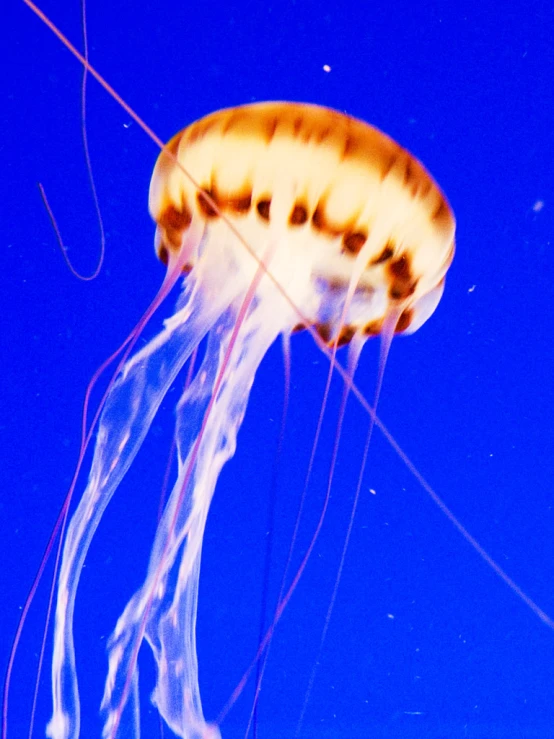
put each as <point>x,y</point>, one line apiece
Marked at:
<point>328,223</point>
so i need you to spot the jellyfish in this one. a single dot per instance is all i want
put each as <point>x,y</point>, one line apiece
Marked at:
<point>277,216</point>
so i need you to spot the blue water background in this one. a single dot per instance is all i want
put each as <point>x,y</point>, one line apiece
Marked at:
<point>424,641</point>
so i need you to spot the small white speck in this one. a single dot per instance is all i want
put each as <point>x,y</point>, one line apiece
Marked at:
<point>326,68</point>
<point>472,288</point>
<point>538,206</point>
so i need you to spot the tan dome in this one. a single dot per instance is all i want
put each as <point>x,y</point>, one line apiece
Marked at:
<point>348,202</point>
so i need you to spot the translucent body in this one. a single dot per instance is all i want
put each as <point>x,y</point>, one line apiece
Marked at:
<point>328,223</point>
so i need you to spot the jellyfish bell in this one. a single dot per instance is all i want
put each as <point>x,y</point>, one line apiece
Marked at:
<point>281,216</point>
<point>345,204</point>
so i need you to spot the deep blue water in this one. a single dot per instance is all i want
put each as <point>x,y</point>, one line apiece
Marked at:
<point>425,641</point>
